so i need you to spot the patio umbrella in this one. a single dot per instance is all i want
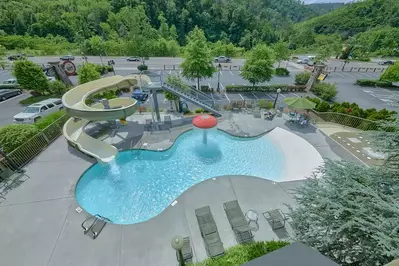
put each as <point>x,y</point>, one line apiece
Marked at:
<point>299,103</point>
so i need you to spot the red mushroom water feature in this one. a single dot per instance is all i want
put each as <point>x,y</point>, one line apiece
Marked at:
<point>205,122</point>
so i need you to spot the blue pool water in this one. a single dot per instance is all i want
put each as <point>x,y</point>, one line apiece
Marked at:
<point>141,184</point>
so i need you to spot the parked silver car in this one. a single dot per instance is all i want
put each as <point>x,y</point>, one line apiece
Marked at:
<point>222,59</point>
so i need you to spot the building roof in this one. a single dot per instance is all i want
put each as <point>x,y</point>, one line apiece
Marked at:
<point>296,254</point>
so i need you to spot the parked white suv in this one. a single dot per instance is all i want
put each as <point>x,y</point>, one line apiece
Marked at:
<point>34,112</point>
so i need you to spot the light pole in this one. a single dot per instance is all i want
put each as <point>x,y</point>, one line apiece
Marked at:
<point>219,66</point>
<point>177,244</point>
<point>275,100</point>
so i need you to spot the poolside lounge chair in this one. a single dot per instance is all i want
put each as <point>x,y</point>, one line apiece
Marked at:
<point>238,222</point>
<point>186,251</point>
<point>209,232</point>
<point>275,218</point>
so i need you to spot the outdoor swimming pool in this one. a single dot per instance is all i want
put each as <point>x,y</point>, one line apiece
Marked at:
<point>139,185</point>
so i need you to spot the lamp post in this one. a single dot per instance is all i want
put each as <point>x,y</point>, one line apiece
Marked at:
<point>177,244</point>
<point>219,66</point>
<point>275,100</point>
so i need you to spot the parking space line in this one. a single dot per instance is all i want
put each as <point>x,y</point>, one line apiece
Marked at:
<point>170,71</point>
<point>180,72</point>
<point>255,96</point>
<point>15,97</point>
<point>222,86</point>
<point>227,97</point>
<point>231,73</point>
<point>282,95</point>
<point>269,96</point>
<point>159,72</point>
<point>296,94</point>
<point>209,85</point>
<point>241,96</point>
<point>221,73</point>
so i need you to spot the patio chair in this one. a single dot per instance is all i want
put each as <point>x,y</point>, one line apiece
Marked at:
<point>275,218</point>
<point>238,222</point>
<point>209,232</point>
<point>187,251</point>
<point>17,178</point>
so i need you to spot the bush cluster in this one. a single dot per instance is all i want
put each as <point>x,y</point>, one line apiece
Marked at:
<point>265,88</point>
<point>204,88</point>
<point>302,78</point>
<point>142,67</point>
<point>353,109</point>
<point>326,91</point>
<point>282,72</point>
<point>374,82</point>
<point>13,136</point>
<point>241,254</point>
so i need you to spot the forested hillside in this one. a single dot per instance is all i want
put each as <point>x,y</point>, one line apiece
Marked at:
<point>239,22</point>
<point>160,27</point>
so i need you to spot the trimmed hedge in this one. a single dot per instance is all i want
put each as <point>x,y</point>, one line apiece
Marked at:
<point>13,136</point>
<point>241,254</point>
<point>142,67</point>
<point>266,88</point>
<point>326,91</point>
<point>282,72</point>
<point>34,99</point>
<point>374,82</point>
<point>205,88</point>
<point>48,120</point>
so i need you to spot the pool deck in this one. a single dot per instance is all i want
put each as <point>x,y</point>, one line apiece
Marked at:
<point>39,225</point>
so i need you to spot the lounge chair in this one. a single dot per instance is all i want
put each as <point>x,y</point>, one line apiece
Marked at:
<point>209,232</point>
<point>187,251</point>
<point>275,218</point>
<point>238,223</point>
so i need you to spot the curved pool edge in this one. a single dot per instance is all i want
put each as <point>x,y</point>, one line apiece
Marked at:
<point>303,177</point>
<point>164,150</point>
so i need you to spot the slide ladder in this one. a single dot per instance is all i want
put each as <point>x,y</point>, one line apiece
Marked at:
<point>195,97</point>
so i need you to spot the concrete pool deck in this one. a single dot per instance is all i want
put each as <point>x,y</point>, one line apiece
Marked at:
<point>39,225</point>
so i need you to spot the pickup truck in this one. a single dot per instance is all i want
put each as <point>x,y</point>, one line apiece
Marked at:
<point>10,84</point>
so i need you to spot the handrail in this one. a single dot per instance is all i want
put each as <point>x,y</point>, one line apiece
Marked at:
<point>347,120</point>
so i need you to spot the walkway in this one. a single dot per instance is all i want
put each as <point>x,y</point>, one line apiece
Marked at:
<point>39,225</point>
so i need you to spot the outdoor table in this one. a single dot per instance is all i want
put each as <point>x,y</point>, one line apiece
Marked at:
<point>252,216</point>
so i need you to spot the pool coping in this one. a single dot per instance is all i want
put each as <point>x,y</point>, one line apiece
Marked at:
<point>164,150</point>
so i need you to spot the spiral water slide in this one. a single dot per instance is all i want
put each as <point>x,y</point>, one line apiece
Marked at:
<point>81,114</point>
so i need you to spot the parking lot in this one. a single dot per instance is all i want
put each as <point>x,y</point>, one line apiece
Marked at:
<point>366,97</point>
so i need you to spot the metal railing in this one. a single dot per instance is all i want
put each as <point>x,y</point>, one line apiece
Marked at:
<point>32,147</point>
<point>345,120</point>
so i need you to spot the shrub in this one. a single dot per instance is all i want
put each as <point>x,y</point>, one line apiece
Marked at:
<point>206,88</point>
<point>282,72</point>
<point>142,67</point>
<point>57,87</point>
<point>30,76</point>
<point>302,78</point>
<point>374,82</point>
<point>103,95</point>
<point>199,110</point>
<point>241,254</point>
<point>13,136</point>
<point>47,120</point>
<point>323,107</point>
<point>265,88</point>
<point>88,72</point>
<point>326,91</point>
<point>34,99</point>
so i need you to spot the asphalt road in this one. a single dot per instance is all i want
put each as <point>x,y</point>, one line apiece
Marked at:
<point>11,107</point>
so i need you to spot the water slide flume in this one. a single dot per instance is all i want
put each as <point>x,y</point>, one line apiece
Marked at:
<point>81,114</point>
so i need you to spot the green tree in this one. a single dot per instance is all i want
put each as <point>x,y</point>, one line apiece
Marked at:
<point>2,56</point>
<point>392,73</point>
<point>198,61</point>
<point>281,51</point>
<point>88,72</point>
<point>349,213</point>
<point>327,46</point>
<point>259,65</point>
<point>30,76</point>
